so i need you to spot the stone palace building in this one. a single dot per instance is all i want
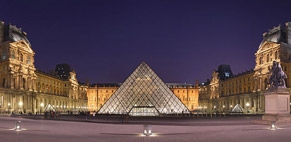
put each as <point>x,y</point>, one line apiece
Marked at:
<point>225,90</point>
<point>24,89</point>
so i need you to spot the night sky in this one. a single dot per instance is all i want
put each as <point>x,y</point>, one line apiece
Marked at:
<point>182,41</point>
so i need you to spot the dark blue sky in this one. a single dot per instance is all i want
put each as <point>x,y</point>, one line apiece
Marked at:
<point>104,41</point>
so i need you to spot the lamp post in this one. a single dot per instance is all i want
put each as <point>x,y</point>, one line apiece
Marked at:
<point>42,105</point>
<point>205,111</point>
<point>247,104</point>
<point>20,106</point>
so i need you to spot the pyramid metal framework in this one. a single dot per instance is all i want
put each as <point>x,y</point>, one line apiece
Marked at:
<point>143,94</point>
<point>237,109</point>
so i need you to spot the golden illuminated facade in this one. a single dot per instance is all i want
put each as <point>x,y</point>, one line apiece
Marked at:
<point>225,90</point>
<point>101,91</point>
<point>187,93</point>
<point>27,90</point>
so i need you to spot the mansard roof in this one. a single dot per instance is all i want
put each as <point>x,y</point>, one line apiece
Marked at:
<point>276,35</point>
<point>12,33</point>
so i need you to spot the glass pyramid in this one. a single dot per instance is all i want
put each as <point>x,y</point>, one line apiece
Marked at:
<point>237,109</point>
<point>143,93</point>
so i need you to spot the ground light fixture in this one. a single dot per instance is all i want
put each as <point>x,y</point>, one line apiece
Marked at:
<point>18,126</point>
<point>273,126</point>
<point>147,130</point>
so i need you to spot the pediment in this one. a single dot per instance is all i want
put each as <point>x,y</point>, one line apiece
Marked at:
<point>22,45</point>
<point>267,45</point>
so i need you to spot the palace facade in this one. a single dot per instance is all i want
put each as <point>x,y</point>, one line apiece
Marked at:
<point>225,90</point>
<point>24,89</point>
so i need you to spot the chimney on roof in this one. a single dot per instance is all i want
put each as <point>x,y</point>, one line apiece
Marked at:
<point>1,31</point>
<point>197,83</point>
<point>87,82</point>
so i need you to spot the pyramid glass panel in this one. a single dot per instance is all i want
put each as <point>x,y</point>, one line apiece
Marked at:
<point>143,93</point>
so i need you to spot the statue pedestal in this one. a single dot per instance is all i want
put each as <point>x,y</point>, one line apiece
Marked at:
<point>277,105</point>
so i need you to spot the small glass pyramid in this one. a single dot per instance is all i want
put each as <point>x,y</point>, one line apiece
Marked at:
<point>237,109</point>
<point>143,94</point>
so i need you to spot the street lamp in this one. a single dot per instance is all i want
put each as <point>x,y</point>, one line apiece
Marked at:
<point>20,103</point>
<point>247,104</point>
<point>41,104</point>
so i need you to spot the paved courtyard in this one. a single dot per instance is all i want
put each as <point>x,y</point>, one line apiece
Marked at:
<point>194,130</point>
